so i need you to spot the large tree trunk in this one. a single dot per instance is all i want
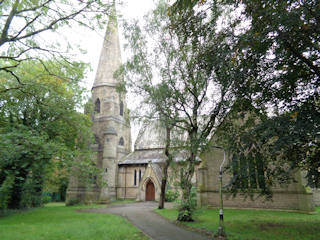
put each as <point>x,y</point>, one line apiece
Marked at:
<point>187,202</point>
<point>186,207</point>
<point>165,169</point>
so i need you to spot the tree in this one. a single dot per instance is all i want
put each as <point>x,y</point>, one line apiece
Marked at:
<point>25,24</point>
<point>288,77</point>
<point>279,52</point>
<point>187,76</point>
<point>281,49</point>
<point>284,39</point>
<point>165,167</point>
<point>40,129</point>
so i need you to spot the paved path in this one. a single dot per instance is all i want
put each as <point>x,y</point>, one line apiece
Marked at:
<point>142,215</point>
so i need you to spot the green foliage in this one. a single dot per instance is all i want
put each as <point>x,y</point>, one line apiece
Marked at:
<point>45,199</point>
<point>30,197</point>
<point>32,29</point>
<point>187,207</point>
<point>186,76</point>
<point>268,151</point>
<point>171,196</point>
<point>281,50</point>
<point>41,132</point>
<point>278,53</point>
<point>5,192</point>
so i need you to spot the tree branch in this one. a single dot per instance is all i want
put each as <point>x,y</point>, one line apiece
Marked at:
<point>4,32</point>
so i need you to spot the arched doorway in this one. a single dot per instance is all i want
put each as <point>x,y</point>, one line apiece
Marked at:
<point>150,191</point>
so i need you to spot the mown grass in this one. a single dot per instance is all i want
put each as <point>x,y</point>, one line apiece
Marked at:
<point>243,224</point>
<point>56,221</point>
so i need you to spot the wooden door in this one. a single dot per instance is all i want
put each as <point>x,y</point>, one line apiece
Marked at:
<point>150,192</point>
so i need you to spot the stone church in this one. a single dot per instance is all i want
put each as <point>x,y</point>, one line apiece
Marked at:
<point>137,175</point>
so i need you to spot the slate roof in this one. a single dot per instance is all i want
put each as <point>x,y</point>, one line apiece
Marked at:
<point>153,135</point>
<point>149,146</point>
<point>144,157</point>
<point>153,156</point>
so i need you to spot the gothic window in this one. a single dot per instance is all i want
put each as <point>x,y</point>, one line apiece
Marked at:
<point>97,106</point>
<point>135,177</point>
<point>97,141</point>
<point>140,175</point>
<point>121,108</point>
<point>121,141</point>
<point>248,171</point>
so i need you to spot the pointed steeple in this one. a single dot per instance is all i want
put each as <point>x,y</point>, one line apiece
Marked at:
<point>110,56</point>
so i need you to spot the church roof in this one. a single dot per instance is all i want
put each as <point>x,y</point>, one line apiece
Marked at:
<point>154,156</point>
<point>144,157</point>
<point>153,135</point>
<point>150,144</point>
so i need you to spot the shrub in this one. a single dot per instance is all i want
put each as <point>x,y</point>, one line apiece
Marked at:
<point>186,208</point>
<point>46,199</point>
<point>5,192</point>
<point>31,194</point>
<point>171,195</point>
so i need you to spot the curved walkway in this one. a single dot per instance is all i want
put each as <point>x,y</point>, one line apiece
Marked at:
<point>142,216</point>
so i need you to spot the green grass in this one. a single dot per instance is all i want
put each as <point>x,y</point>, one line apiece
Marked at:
<point>243,224</point>
<point>57,222</point>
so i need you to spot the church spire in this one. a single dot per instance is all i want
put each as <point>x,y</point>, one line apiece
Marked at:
<point>110,56</point>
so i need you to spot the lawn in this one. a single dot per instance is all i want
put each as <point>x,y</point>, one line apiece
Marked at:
<point>55,221</point>
<point>243,224</point>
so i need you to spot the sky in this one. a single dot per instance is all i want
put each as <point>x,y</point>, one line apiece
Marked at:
<point>92,41</point>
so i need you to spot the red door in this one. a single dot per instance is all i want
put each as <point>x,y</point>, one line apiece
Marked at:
<point>150,192</point>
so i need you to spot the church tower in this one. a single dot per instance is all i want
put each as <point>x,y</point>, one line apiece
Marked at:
<point>111,125</point>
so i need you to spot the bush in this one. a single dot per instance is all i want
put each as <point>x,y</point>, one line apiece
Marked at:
<point>31,196</point>
<point>5,192</point>
<point>187,207</point>
<point>46,199</point>
<point>171,195</point>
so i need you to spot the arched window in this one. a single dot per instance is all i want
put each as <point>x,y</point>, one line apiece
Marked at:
<point>121,141</point>
<point>97,106</point>
<point>135,177</point>
<point>121,108</point>
<point>97,141</point>
<point>140,175</point>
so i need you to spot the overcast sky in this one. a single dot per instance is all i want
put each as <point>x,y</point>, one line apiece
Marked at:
<point>92,41</point>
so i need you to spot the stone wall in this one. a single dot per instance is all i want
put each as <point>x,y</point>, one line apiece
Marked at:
<point>316,196</point>
<point>280,200</point>
<point>293,196</point>
<point>125,186</point>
